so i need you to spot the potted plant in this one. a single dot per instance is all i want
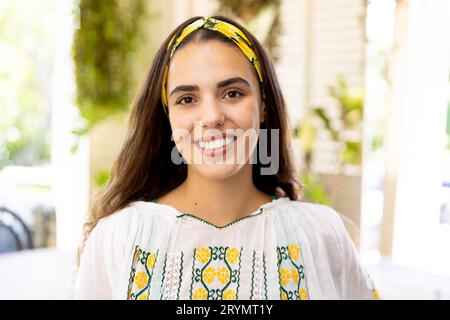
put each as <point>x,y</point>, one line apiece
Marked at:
<point>343,188</point>
<point>105,51</point>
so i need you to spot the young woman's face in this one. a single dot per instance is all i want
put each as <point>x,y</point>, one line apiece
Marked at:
<point>215,107</point>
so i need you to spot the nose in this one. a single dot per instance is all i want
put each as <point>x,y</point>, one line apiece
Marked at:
<point>212,114</point>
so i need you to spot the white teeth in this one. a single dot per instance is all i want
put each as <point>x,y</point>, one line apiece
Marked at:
<point>216,144</point>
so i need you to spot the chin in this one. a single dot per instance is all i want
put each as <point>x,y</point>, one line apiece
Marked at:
<point>217,171</point>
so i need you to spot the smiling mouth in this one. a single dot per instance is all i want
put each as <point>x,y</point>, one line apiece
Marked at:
<point>215,147</point>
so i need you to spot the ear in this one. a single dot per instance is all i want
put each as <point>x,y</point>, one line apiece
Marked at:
<point>262,112</point>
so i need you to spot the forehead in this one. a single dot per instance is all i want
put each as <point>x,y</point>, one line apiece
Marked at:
<point>208,62</point>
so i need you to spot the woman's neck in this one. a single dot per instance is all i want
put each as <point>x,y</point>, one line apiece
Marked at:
<point>217,201</point>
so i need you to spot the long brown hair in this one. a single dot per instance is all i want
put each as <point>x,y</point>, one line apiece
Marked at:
<point>143,168</point>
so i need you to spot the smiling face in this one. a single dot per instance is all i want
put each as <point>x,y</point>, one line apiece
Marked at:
<point>215,107</point>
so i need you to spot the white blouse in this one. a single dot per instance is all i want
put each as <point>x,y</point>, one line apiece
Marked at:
<point>284,250</point>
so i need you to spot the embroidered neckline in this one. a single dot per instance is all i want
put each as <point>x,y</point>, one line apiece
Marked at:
<point>225,226</point>
<point>256,213</point>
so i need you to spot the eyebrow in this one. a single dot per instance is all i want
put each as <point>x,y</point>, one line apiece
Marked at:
<point>220,84</point>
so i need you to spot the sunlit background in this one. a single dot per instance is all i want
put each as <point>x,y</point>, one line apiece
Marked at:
<point>367,85</point>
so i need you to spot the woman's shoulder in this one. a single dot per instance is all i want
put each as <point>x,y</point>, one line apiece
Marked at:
<point>319,213</point>
<point>135,214</point>
<point>312,219</point>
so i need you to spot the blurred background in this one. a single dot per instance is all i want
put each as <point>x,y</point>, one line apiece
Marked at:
<point>367,86</point>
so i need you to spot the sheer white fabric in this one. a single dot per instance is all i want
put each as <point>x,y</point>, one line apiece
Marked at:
<point>285,250</point>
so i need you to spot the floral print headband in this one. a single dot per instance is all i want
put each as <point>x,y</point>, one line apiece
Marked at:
<point>225,28</point>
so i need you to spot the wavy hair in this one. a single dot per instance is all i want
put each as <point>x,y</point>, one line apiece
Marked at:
<point>143,168</point>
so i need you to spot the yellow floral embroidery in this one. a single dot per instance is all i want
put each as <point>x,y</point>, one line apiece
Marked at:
<point>284,276</point>
<point>143,263</point>
<point>141,280</point>
<point>290,266</point>
<point>136,255</point>
<point>218,277</point>
<point>209,274</point>
<point>294,275</point>
<point>232,255</point>
<point>151,260</point>
<point>294,251</point>
<point>303,294</point>
<point>223,275</point>
<point>203,255</point>
<point>229,295</point>
<point>199,294</point>
<point>376,294</point>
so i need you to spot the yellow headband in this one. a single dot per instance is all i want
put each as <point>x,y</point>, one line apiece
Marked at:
<point>227,29</point>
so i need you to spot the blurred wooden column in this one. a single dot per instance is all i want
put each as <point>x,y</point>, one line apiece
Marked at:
<point>415,129</point>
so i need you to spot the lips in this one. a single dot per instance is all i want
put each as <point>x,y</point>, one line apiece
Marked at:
<point>215,137</point>
<point>213,146</point>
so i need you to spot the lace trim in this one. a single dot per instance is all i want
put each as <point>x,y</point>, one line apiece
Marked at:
<point>258,277</point>
<point>172,276</point>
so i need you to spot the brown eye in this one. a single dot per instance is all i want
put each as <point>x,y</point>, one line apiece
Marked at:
<point>185,100</point>
<point>233,94</point>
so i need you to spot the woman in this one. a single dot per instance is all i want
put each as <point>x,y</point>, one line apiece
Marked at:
<point>195,208</point>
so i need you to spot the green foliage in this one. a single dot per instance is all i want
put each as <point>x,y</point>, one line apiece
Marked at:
<point>351,111</point>
<point>101,178</point>
<point>25,70</point>
<point>352,153</point>
<point>320,112</point>
<point>314,191</point>
<point>377,139</point>
<point>351,107</point>
<point>103,50</point>
<point>23,138</point>
<point>350,102</point>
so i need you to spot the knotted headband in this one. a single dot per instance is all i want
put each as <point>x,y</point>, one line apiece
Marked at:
<point>230,31</point>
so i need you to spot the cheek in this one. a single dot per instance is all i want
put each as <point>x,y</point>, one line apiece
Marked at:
<point>180,121</point>
<point>181,130</point>
<point>246,117</point>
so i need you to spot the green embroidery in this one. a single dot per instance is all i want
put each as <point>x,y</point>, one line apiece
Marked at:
<point>215,273</point>
<point>238,276</point>
<point>291,273</point>
<point>261,211</point>
<point>181,276</point>
<point>253,274</point>
<point>265,277</point>
<point>141,274</point>
<point>163,275</point>
<point>172,276</point>
<point>193,265</point>
<point>132,274</point>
